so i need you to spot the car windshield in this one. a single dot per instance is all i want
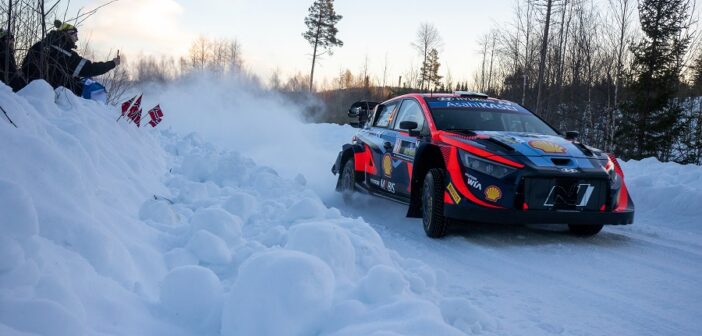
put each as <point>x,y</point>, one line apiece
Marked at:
<point>486,116</point>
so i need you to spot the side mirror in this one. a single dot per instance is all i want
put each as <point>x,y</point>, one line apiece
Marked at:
<point>410,126</point>
<point>572,135</point>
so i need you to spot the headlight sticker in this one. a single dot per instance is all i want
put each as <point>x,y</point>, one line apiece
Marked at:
<point>454,194</point>
<point>493,193</point>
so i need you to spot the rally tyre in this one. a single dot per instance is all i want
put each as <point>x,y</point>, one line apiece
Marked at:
<point>347,181</point>
<point>433,218</point>
<point>584,230</point>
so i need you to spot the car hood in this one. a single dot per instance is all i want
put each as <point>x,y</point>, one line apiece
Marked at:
<point>527,144</point>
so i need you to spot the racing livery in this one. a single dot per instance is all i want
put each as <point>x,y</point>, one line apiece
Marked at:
<point>468,157</point>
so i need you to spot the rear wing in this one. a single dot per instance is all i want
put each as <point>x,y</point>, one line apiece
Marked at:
<point>361,110</point>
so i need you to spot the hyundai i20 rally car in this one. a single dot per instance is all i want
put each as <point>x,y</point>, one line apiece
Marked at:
<point>467,157</point>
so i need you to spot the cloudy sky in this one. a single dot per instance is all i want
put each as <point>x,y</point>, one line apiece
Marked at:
<point>270,31</point>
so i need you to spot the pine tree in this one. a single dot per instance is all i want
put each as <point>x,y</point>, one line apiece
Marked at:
<point>652,121</point>
<point>430,70</point>
<point>321,31</point>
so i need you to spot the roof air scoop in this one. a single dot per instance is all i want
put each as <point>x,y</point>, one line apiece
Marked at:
<point>469,94</point>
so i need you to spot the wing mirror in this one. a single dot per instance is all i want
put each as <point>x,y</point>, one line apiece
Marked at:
<point>410,126</point>
<point>572,135</point>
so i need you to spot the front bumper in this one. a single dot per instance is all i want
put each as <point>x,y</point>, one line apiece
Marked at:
<point>509,216</point>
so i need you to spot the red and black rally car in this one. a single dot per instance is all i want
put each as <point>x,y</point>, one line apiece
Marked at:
<point>468,157</point>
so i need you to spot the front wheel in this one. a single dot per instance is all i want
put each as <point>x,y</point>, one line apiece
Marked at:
<point>433,204</point>
<point>584,230</point>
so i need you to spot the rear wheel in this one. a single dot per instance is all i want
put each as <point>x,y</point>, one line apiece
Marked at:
<point>433,204</point>
<point>584,230</point>
<point>348,180</point>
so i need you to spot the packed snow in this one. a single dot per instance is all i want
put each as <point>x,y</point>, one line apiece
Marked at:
<point>223,221</point>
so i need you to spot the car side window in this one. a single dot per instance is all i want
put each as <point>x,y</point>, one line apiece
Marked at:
<point>410,111</point>
<point>385,117</point>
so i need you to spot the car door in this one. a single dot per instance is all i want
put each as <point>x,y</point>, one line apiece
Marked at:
<point>381,140</point>
<point>405,146</point>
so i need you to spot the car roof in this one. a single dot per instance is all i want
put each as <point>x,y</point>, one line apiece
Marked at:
<point>449,95</point>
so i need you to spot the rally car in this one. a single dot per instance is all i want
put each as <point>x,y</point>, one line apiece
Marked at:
<point>466,157</point>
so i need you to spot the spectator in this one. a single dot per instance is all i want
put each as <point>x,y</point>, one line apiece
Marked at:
<point>55,60</point>
<point>8,65</point>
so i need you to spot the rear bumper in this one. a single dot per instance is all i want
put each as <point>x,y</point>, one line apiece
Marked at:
<point>505,216</point>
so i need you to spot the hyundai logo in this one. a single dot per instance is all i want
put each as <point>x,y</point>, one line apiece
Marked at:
<point>569,170</point>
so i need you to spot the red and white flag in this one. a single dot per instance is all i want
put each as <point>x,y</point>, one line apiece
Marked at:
<point>136,117</point>
<point>156,115</point>
<point>126,105</point>
<point>135,112</point>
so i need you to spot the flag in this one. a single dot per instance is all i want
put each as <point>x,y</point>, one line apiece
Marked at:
<point>136,117</point>
<point>135,112</point>
<point>126,105</point>
<point>156,115</point>
<point>135,108</point>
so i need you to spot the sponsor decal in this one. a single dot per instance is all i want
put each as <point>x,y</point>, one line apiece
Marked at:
<point>493,193</point>
<point>473,182</point>
<point>375,182</point>
<point>387,185</point>
<point>547,146</point>
<point>569,170</point>
<point>454,194</point>
<point>507,139</point>
<point>387,165</point>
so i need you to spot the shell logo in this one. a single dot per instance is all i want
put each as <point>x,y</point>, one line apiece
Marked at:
<point>387,165</point>
<point>547,146</point>
<point>493,193</point>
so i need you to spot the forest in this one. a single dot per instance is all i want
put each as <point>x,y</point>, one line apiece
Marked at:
<point>627,75</point>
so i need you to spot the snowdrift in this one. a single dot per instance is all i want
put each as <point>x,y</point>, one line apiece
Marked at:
<point>217,223</point>
<point>113,230</point>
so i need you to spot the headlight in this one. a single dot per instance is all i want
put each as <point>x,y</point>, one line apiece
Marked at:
<point>493,169</point>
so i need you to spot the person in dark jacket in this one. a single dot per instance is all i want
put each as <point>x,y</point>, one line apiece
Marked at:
<point>8,65</point>
<point>62,64</point>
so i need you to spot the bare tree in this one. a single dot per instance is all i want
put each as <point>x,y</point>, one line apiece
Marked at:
<point>542,63</point>
<point>427,38</point>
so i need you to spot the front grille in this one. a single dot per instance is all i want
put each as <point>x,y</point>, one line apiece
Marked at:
<point>565,193</point>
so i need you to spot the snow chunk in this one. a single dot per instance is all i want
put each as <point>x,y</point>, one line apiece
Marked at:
<point>382,284</point>
<point>158,211</point>
<point>278,293</point>
<point>241,204</point>
<point>179,257</point>
<point>307,208</point>
<point>192,293</point>
<point>327,242</point>
<point>20,221</point>
<point>218,222</point>
<point>209,248</point>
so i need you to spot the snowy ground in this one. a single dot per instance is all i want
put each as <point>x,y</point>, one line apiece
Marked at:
<point>247,237</point>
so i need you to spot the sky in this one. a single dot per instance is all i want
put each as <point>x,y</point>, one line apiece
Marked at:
<point>270,32</point>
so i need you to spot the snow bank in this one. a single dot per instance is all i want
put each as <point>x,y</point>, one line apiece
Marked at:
<point>110,229</point>
<point>662,191</point>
